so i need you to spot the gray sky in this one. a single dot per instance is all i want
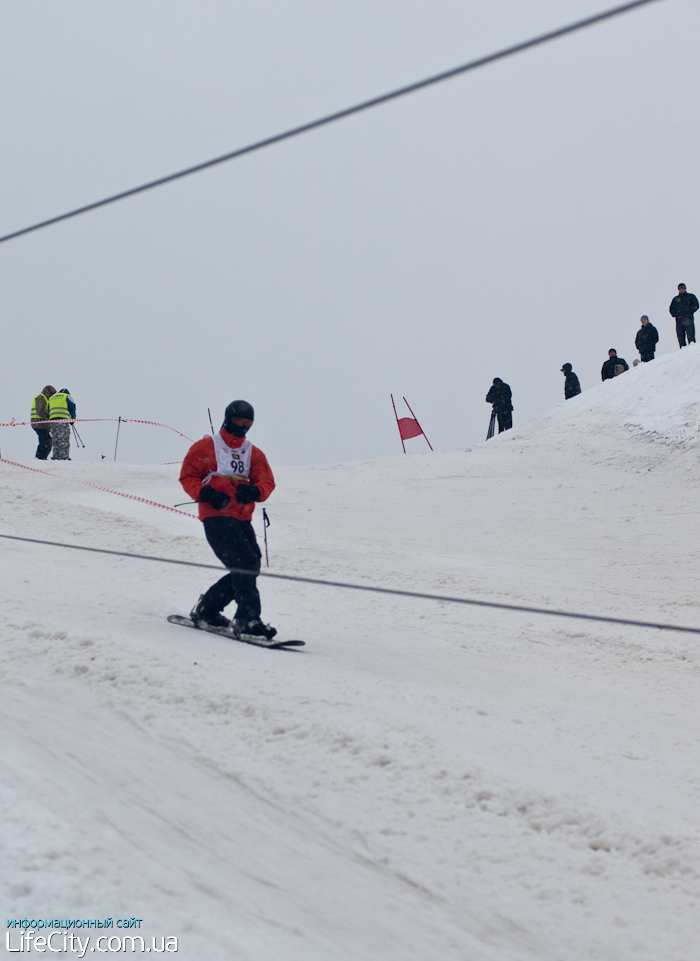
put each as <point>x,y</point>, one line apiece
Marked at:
<point>499,224</point>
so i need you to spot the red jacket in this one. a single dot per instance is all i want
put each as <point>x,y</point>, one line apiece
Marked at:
<point>200,460</point>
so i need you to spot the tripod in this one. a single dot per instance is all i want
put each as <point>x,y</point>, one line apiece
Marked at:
<point>492,425</point>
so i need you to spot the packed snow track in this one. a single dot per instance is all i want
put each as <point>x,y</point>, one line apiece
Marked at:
<point>422,781</point>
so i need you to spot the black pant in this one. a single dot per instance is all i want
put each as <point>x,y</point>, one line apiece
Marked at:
<point>234,543</point>
<point>44,436</point>
<point>647,355</point>
<point>685,328</point>
<point>505,420</point>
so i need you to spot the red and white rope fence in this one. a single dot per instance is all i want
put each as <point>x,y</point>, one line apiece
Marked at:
<point>131,497</point>
<point>95,420</point>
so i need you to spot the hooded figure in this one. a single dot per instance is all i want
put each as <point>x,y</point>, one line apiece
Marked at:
<point>40,421</point>
<point>571,383</point>
<point>500,395</point>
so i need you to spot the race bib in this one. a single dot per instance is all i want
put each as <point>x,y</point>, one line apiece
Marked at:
<point>231,461</point>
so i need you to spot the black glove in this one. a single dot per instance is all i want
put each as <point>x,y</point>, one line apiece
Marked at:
<point>247,493</point>
<point>217,499</point>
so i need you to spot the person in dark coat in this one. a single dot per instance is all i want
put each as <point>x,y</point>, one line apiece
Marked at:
<point>683,307</point>
<point>571,384</point>
<point>646,340</point>
<point>500,395</point>
<point>613,366</point>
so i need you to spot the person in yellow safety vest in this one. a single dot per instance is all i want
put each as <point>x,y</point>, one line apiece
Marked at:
<point>40,417</point>
<point>61,410</point>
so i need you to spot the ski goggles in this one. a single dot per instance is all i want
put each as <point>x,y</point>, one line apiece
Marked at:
<point>241,422</point>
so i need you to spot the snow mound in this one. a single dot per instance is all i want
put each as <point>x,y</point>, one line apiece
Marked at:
<point>658,402</point>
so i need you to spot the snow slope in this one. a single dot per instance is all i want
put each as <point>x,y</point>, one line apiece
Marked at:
<point>423,780</point>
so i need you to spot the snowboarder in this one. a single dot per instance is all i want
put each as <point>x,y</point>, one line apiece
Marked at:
<point>614,366</point>
<point>39,418</point>
<point>571,383</point>
<point>646,340</point>
<point>61,412</point>
<point>226,475</point>
<point>500,395</point>
<point>683,307</point>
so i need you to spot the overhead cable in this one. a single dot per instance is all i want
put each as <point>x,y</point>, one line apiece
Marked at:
<point>340,114</point>
<point>520,608</point>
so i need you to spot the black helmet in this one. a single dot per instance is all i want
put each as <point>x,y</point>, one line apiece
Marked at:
<point>239,417</point>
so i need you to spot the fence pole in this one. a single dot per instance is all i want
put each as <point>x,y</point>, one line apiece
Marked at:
<point>416,420</point>
<point>119,424</point>
<point>397,422</point>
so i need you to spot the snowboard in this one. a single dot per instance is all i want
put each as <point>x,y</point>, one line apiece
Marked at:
<point>234,635</point>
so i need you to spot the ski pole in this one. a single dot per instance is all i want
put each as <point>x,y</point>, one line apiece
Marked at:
<point>185,502</point>
<point>266,524</point>
<point>119,424</point>
<point>210,423</point>
<point>78,438</point>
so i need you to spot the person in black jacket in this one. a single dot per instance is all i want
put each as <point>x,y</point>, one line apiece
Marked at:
<point>500,395</point>
<point>571,384</point>
<point>613,366</point>
<point>646,340</point>
<point>683,307</point>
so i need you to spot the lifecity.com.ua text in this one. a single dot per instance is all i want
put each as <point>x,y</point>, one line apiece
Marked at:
<point>67,942</point>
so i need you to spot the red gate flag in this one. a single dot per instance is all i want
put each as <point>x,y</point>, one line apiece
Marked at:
<point>408,426</point>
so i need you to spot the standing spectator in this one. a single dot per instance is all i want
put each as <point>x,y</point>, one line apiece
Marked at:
<point>61,412</point>
<point>683,307</point>
<point>500,395</point>
<point>40,417</point>
<point>646,340</point>
<point>613,366</point>
<point>571,384</point>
